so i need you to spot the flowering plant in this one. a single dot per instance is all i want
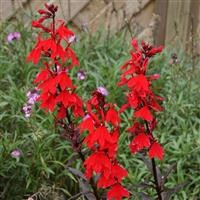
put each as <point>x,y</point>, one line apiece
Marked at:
<point>100,119</point>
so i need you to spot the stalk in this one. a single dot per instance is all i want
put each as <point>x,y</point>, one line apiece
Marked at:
<point>154,170</point>
<point>155,175</point>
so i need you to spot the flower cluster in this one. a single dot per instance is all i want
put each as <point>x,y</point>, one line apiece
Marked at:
<point>102,123</point>
<point>142,99</point>
<point>32,96</point>
<point>53,45</point>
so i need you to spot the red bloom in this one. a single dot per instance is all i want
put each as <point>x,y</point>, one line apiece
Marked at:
<point>144,114</point>
<point>47,101</point>
<point>99,136</point>
<point>156,151</point>
<point>99,163</point>
<point>64,81</point>
<point>117,192</point>
<point>139,84</point>
<point>139,142</point>
<point>112,116</point>
<point>141,98</point>
<point>103,141</point>
<point>42,76</point>
<point>61,112</point>
<point>87,124</point>
<point>116,175</point>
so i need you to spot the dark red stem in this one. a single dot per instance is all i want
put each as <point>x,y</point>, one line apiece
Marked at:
<point>154,170</point>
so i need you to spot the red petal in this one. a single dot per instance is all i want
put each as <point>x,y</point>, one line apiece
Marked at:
<point>41,76</point>
<point>62,112</point>
<point>134,44</point>
<point>139,83</point>
<point>124,107</point>
<point>117,192</point>
<point>156,150</point>
<point>119,172</point>
<point>87,124</point>
<point>64,97</point>
<point>142,140</point>
<point>144,114</point>
<point>64,81</point>
<point>112,116</point>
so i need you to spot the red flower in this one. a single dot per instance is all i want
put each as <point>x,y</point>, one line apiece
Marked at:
<point>116,175</point>
<point>87,124</point>
<point>141,98</point>
<point>99,163</point>
<point>139,83</point>
<point>156,151</point>
<point>48,101</point>
<point>139,142</point>
<point>61,112</point>
<point>112,116</point>
<point>144,114</point>
<point>99,136</point>
<point>117,192</point>
<point>42,76</point>
<point>64,81</point>
<point>64,32</point>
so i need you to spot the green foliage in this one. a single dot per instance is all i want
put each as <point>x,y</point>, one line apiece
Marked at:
<point>41,170</point>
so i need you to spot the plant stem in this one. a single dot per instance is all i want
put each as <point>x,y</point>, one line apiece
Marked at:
<point>154,170</point>
<point>155,175</point>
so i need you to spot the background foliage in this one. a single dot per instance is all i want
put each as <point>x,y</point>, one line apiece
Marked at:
<point>41,170</point>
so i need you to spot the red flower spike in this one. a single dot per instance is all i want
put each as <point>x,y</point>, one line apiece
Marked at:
<point>117,192</point>
<point>123,108</point>
<point>141,98</point>
<point>156,151</point>
<point>144,114</point>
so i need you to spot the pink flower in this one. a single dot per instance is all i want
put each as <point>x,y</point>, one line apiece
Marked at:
<point>103,91</point>
<point>15,153</point>
<point>13,36</point>
<point>81,75</point>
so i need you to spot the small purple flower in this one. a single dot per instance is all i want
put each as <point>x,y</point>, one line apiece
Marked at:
<point>72,39</point>
<point>32,96</point>
<point>27,109</point>
<point>13,36</point>
<point>103,91</point>
<point>81,75</point>
<point>15,153</point>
